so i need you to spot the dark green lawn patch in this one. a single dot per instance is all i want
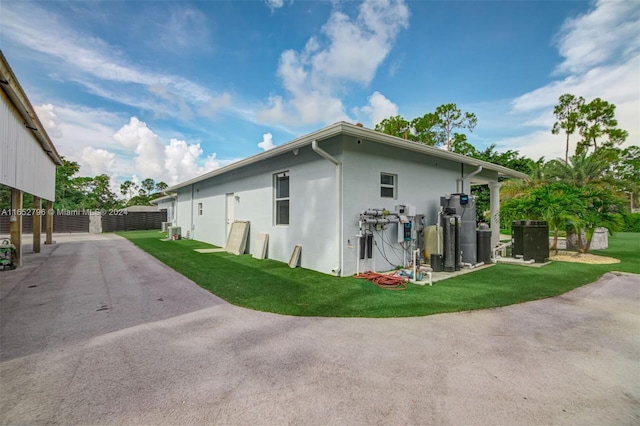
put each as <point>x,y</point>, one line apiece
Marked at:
<point>271,286</point>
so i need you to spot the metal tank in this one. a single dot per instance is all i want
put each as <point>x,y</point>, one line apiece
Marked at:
<point>451,242</point>
<point>465,207</point>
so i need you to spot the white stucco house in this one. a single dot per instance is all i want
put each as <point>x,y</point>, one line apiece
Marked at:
<point>168,203</point>
<point>311,191</point>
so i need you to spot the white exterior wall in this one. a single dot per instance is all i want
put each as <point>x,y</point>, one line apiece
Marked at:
<point>421,181</point>
<point>169,206</point>
<point>183,210</point>
<point>327,235</point>
<point>313,207</point>
<point>23,163</point>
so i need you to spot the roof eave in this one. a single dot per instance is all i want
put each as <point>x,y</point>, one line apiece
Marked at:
<point>14,91</point>
<point>297,143</point>
<point>360,132</point>
<point>163,198</point>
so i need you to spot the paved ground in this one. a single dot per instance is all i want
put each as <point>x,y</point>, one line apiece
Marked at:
<point>110,336</point>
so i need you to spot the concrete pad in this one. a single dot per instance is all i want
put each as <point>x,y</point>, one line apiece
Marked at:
<point>213,250</point>
<point>572,359</point>
<point>521,262</point>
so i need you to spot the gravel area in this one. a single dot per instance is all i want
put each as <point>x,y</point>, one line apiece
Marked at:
<point>571,256</point>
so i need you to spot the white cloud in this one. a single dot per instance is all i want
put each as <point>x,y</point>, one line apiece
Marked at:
<point>184,28</point>
<point>274,4</point>
<point>172,163</point>
<point>89,138</point>
<point>214,104</point>
<point>72,127</point>
<point>96,161</point>
<point>607,32</point>
<point>378,108</point>
<point>211,163</point>
<point>267,142</point>
<point>137,137</point>
<point>49,120</point>
<point>619,81</point>
<point>602,59</point>
<point>349,51</point>
<point>102,69</point>
<point>357,49</point>
<point>180,159</point>
<point>540,143</point>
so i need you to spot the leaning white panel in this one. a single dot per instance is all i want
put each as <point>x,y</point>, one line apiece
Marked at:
<point>259,250</point>
<point>237,241</point>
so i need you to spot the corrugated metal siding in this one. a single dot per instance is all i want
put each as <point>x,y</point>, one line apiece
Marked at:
<point>8,149</point>
<point>36,172</point>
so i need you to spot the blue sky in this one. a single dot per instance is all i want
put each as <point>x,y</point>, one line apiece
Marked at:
<point>170,90</point>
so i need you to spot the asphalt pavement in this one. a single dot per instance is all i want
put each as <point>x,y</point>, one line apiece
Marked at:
<point>95,331</point>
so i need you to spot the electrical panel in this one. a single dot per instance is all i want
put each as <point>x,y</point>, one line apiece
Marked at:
<point>406,210</point>
<point>407,231</point>
<point>402,222</point>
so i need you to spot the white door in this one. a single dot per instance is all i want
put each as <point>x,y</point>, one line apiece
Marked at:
<point>231,203</point>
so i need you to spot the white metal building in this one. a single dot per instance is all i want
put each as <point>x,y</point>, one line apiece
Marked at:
<point>310,192</point>
<point>28,158</point>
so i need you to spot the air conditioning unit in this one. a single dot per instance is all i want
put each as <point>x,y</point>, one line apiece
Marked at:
<point>174,232</point>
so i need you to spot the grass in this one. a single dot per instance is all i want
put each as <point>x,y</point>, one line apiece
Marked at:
<point>271,286</point>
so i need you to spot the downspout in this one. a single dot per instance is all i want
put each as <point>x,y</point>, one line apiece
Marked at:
<point>191,226</point>
<point>324,154</point>
<point>463,178</point>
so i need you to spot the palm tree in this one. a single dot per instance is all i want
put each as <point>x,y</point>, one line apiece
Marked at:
<point>539,172</point>
<point>602,208</point>
<point>557,203</point>
<point>581,169</point>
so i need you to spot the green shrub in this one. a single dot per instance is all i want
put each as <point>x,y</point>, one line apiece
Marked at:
<point>631,222</point>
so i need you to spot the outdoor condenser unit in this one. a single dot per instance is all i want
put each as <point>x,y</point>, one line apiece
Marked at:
<point>175,230</point>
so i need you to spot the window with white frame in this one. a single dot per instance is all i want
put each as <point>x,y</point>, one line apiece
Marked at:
<point>281,194</point>
<point>388,185</point>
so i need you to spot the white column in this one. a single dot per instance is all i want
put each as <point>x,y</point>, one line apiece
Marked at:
<point>494,197</point>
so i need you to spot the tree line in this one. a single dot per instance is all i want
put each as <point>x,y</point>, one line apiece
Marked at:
<point>598,185</point>
<point>83,192</point>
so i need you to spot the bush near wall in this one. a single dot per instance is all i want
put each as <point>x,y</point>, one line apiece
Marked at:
<point>631,222</point>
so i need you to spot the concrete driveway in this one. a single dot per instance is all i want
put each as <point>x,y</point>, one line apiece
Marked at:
<point>95,331</point>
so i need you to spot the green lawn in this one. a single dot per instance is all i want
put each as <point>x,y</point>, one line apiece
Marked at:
<point>271,286</point>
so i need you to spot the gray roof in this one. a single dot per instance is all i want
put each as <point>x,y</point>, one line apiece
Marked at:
<point>163,198</point>
<point>144,209</point>
<point>358,132</point>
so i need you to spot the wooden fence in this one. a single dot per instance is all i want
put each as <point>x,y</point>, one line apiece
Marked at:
<point>80,222</point>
